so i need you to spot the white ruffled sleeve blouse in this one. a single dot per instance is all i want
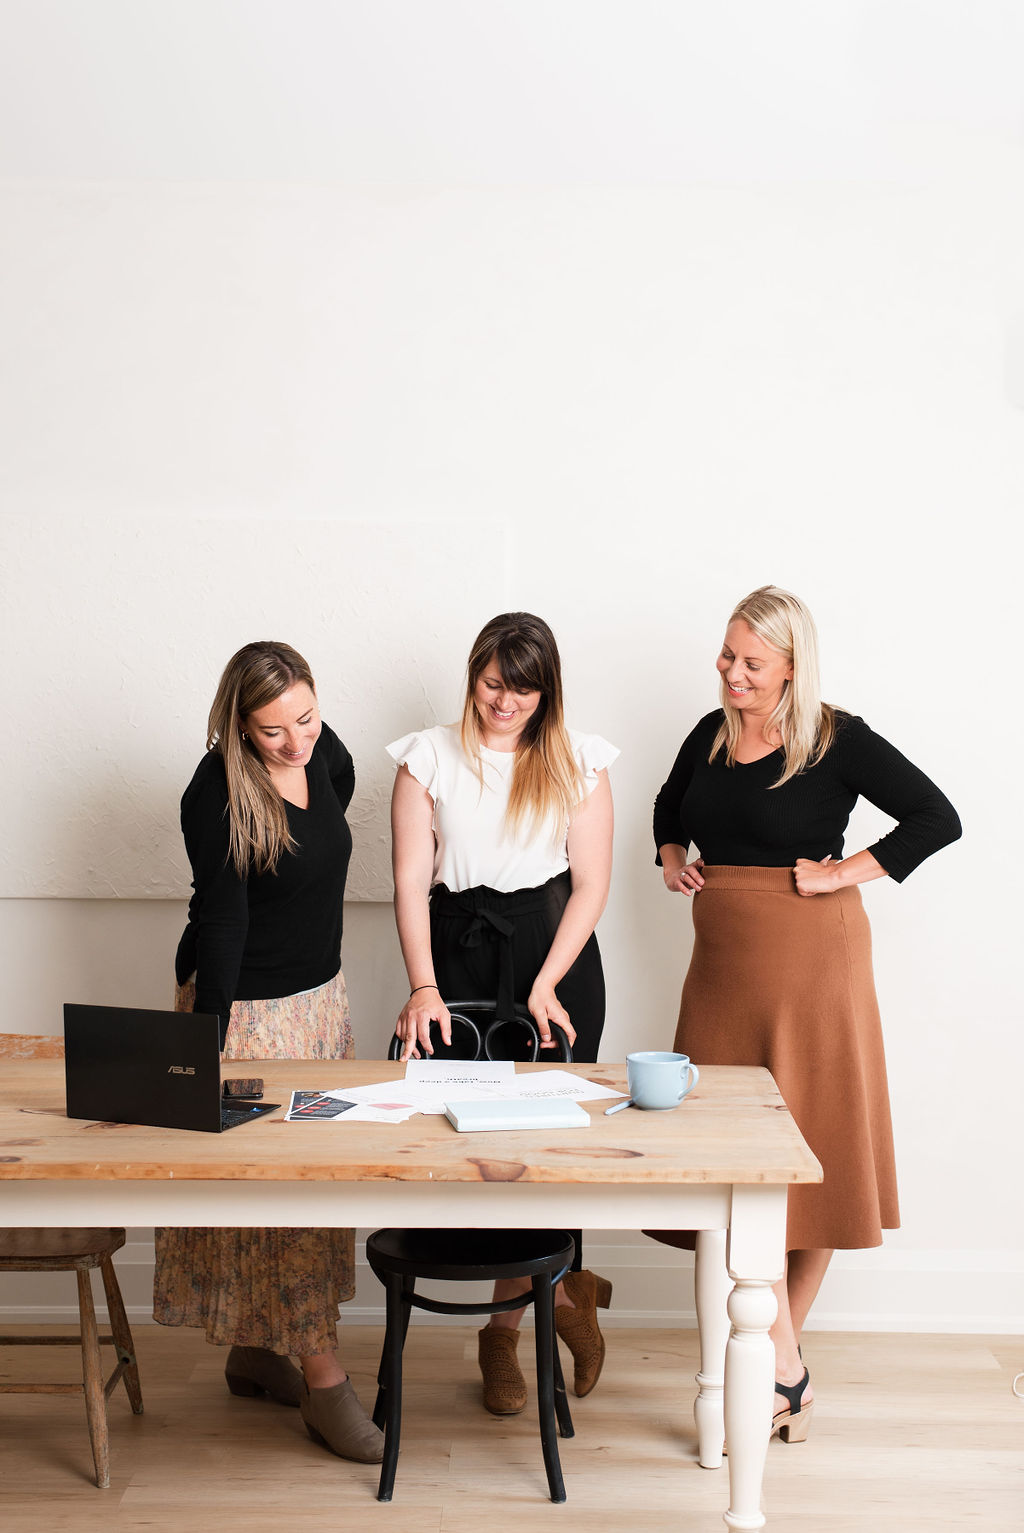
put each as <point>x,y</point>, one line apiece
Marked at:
<point>472,844</point>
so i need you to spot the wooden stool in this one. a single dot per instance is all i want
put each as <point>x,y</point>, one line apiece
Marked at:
<point>79,1251</point>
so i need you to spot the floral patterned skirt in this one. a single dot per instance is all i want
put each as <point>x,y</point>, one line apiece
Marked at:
<point>273,1288</point>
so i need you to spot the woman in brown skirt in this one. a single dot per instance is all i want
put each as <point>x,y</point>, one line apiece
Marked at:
<point>265,830</point>
<point>781,974</point>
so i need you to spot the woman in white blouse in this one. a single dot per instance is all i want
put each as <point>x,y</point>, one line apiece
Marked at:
<point>502,851</point>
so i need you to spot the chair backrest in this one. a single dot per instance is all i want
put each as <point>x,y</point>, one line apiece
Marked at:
<point>30,1046</point>
<point>466,1041</point>
<point>478,1033</point>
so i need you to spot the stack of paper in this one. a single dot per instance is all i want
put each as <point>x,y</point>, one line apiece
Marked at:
<point>431,1086</point>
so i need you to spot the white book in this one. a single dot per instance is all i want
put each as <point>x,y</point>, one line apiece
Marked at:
<point>515,1112</point>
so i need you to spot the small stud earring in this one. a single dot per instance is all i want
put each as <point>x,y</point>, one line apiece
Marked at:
<point>244,735</point>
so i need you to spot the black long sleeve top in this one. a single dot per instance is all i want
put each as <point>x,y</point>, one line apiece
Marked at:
<point>271,934</point>
<point>735,817</point>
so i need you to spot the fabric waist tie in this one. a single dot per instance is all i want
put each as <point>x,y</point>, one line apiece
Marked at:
<point>491,916</point>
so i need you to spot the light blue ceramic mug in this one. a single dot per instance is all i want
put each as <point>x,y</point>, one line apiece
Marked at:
<point>659,1081</point>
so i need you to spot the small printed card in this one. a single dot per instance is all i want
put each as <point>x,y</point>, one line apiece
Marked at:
<point>315,1104</point>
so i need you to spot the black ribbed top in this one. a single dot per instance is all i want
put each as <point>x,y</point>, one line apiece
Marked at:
<point>734,816</point>
<point>272,934</point>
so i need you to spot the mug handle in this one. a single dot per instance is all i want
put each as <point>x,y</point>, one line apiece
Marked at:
<point>694,1078</point>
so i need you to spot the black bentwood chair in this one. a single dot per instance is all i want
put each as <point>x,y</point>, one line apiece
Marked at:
<point>479,1033</point>
<point>400,1257</point>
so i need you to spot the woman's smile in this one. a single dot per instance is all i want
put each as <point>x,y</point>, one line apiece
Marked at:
<point>286,730</point>
<point>504,711</point>
<point>753,673</point>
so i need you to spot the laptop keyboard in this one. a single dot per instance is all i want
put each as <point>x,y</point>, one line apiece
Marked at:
<point>231,1117</point>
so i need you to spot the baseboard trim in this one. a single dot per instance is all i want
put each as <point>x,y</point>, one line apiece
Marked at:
<point>885,1290</point>
<point>958,1324</point>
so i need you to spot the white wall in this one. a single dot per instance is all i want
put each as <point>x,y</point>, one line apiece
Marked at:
<point>616,312</point>
<point>333,586</point>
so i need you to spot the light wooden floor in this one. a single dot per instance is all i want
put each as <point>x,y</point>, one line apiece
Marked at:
<point>911,1433</point>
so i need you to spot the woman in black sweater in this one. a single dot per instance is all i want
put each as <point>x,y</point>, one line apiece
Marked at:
<point>265,830</point>
<point>780,974</point>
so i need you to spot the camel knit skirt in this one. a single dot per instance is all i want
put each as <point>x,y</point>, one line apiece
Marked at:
<point>784,981</point>
<point>273,1288</point>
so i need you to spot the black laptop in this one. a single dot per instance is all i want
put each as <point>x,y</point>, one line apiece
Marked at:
<point>160,1068</point>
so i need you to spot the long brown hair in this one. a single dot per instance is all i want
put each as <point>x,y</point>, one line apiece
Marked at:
<point>805,724</point>
<point>257,821</point>
<point>546,781</point>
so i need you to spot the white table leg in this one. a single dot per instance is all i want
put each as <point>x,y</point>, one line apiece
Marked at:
<point>756,1255</point>
<point>749,1393</point>
<point>712,1287</point>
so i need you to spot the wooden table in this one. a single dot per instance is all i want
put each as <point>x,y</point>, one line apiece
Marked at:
<point>721,1164</point>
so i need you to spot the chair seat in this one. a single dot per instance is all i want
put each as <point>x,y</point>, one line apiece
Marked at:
<point>469,1255</point>
<point>35,1250</point>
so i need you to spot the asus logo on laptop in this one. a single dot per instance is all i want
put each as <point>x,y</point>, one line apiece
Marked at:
<point>181,1070</point>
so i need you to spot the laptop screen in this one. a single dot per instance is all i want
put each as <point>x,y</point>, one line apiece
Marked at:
<point>127,1065</point>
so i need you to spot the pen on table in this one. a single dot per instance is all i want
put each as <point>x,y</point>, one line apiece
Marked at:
<point>618,1107</point>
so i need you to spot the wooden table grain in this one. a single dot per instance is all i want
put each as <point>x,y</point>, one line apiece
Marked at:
<point>719,1164</point>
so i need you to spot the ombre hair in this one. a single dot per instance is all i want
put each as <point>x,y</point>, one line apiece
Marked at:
<point>257,820</point>
<point>546,780</point>
<point>806,725</point>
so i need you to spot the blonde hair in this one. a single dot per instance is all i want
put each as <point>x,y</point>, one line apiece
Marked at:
<point>806,725</point>
<point>546,780</point>
<point>257,820</point>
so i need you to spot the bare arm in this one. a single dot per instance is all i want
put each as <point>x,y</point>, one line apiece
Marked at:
<point>590,867</point>
<point>412,860</point>
<point>828,876</point>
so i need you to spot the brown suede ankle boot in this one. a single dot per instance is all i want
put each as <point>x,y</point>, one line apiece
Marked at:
<point>335,1419</point>
<point>255,1371</point>
<point>504,1385</point>
<point>577,1326</point>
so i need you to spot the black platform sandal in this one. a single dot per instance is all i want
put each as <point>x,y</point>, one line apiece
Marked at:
<point>793,1424</point>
